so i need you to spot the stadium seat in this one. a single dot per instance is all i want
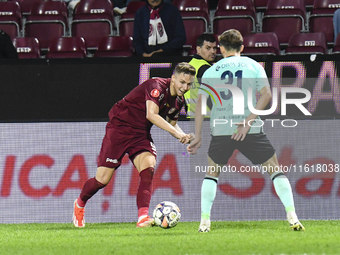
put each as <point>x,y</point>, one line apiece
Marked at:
<point>309,4</point>
<point>321,18</point>
<point>285,18</point>
<point>261,44</point>
<point>125,24</point>
<point>10,18</point>
<point>237,14</point>
<point>195,15</point>
<point>27,47</point>
<point>307,43</point>
<point>67,47</point>
<point>47,21</point>
<point>192,50</point>
<point>260,5</point>
<point>336,48</point>
<point>115,46</point>
<point>93,20</point>
<point>26,5</point>
<point>193,8</point>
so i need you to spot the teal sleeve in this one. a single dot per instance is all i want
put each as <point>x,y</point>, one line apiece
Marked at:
<point>262,80</point>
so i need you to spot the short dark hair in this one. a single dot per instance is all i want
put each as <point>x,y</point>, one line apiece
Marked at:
<point>186,68</point>
<point>231,40</point>
<point>205,37</point>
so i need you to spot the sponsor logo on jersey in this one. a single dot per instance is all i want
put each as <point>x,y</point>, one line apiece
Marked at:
<point>161,97</point>
<point>172,110</point>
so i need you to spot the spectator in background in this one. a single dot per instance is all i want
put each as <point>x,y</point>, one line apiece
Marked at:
<point>120,5</point>
<point>336,23</point>
<point>166,35</point>
<point>7,50</point>
<point>206,48</point>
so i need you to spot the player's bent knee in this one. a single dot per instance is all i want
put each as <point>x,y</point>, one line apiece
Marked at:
<point>104,174</point>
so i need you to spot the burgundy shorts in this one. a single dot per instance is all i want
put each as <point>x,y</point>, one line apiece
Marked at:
<point>120,140</point>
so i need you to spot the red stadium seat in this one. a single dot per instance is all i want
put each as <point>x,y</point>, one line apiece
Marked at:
<point>115,46</point>
<point>47,21</point>
<point>193,8</point>
<point>336,48</point>
<point>125,24</point>
<point>261,44</point>
<point>27,47</point>
<point>93,20</point>
<point>261,5</point>
<point>10,18</point>
<point>321,18</point>
<point>67,47</point>
<point>26,5</point>
<point>195,15</point>
<point>237,14</point>
<point>307,43</point>
<point>285,18</point>
<point>309,3</point>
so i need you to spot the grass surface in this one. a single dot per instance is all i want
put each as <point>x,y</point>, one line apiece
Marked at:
<point>243,237</point>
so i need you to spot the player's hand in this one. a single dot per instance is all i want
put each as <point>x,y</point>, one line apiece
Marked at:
<point>241,132</point>
<point>192,137</point>
<point>194,145</point>
<point>184,138</point>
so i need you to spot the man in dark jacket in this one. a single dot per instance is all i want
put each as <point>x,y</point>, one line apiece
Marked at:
<point>158,29</point>
<point>7,49</point>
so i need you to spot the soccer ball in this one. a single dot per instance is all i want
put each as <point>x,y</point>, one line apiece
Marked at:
<point>166,214</point>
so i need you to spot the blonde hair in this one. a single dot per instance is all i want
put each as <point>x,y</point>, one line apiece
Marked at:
<point>185,68</point>
<point>231,40</point>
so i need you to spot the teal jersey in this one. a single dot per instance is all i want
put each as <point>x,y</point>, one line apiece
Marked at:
<point>242,72</point>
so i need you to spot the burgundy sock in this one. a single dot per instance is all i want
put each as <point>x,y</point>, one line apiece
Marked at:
<point>90,188</point>
<point>144,191</point>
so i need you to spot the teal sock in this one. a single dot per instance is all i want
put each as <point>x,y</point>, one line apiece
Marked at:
<point>283,190</point>
<point>208,194</point>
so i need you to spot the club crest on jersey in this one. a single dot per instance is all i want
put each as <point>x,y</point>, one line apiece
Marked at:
<point>155,93</point>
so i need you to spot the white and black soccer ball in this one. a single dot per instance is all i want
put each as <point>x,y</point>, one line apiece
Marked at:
<point>166,214</point>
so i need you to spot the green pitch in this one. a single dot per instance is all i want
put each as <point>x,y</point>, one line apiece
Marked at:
<point>242,237</point>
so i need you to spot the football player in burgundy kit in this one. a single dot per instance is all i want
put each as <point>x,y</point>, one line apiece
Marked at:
<point>155,102</point>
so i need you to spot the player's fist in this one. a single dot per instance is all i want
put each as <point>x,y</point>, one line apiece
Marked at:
<point>184,138</point>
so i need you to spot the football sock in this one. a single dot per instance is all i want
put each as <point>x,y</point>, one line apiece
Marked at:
<point>144,192</point>
<point>208,194</point>
<point>90,188</point>
<point>283,190</point>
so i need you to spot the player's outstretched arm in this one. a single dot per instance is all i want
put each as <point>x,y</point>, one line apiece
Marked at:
<point>152,115</point>
<point>196,143</point>
<point>243,128</point>
<point>174,123</point>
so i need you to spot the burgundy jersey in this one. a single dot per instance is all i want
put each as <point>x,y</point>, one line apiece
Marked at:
<point>131,110</point>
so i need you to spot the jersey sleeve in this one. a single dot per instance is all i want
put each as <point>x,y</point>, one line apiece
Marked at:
<point>262,80</point>
<point>154,92</point>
